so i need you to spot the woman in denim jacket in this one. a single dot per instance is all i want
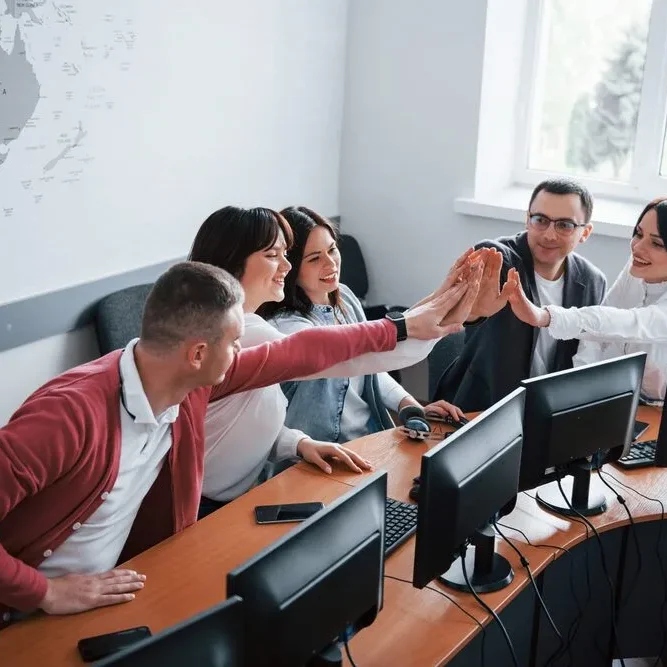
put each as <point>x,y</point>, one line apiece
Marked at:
<point>331,409</point>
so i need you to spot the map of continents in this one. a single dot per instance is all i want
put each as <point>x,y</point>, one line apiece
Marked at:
<point>61,65</point>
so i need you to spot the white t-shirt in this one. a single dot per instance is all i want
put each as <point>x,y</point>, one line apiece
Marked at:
<point>243,430</point>
<point>549,292</point>
<point>356,412</point>
<point>96,545</point>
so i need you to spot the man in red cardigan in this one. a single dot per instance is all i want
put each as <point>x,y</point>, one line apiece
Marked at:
<point>106,460</point>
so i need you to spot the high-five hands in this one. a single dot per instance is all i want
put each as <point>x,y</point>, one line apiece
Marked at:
<point>446,309</point>
<point>491,299</point>
<point>521,305</point>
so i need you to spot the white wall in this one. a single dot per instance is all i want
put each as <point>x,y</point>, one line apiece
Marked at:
<point>224,103</point>
<point>28,367</point>
<point>412,102</point>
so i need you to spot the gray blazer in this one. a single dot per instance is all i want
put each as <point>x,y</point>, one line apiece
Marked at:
<point>498,350</point>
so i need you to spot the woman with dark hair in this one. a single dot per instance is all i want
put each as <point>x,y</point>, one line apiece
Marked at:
<point>245,433</point>
<point>342,408</point>
<point>632,317</point>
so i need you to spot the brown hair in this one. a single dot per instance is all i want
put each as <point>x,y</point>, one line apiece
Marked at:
<point>191,299</point>
<point>230,235</point>
<point>302,220</point>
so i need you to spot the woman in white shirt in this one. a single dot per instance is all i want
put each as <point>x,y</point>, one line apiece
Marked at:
<point>633,315</point>
<point>245,433</point>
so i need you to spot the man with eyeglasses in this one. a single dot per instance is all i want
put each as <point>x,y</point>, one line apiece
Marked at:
<point>499,350</point>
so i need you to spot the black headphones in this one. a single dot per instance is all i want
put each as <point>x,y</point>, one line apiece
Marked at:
<point>414,424</point>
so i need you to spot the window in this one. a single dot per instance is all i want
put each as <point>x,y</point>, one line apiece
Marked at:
<point>594,98</point>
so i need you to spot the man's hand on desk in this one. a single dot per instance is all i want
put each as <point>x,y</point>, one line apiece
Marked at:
<point>74,593</point>
<point>317,453</point>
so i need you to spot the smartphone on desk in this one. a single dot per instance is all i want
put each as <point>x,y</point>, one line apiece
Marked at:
<point>286,513</point>
<point>100,646</point>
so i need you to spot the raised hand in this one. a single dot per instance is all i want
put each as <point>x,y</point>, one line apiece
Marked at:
<point>522,306</point>
<point>425,321</point>
<point>460,313</point>
<point>459,271</point>
<point>74,593</point>
<point>491,298</point>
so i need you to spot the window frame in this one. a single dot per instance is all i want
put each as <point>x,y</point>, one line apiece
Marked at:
<point>645,181</point>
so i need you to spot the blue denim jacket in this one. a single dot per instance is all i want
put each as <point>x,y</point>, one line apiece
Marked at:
<point>316,406</point>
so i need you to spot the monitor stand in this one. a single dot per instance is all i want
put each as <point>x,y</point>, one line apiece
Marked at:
<point>586,500</point>
<point>487,570</point>
<point>331,656</point>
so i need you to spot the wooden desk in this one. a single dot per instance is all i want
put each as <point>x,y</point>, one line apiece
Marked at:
<point>186,574</point>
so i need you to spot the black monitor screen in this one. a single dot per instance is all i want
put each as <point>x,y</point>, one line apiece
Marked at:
<point>574,414</point>
<point>465,481</point>
<point>321,580</point>
<point>214,638</point>
<point>604,421</point>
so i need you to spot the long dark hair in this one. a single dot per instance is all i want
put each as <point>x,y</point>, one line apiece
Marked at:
<point>230,235</point>
<point>661,211</point>
<point>302,220</point>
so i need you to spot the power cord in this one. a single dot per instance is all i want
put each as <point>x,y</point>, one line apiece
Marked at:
<point>574,626</point>
<point>633,528</point>
<point>347,650</point>
<point>603,558</point>
<point>502,627</point>
<point>526,565</point>
<point>658,553</point>
<point>454,602</point>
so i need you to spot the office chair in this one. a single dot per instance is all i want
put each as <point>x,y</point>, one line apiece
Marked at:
<point>353,274</point>
<point>444,353</point>
<point>118,317</point>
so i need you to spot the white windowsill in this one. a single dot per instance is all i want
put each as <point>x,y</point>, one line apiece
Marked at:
<point>611,217</point>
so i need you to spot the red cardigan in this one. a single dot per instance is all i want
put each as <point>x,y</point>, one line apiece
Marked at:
<point>59,452</point>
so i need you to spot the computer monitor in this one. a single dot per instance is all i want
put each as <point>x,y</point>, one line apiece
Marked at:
<point>574,420</point>
<point>465,481</point>
<point>321,582</point>
<point>214,638</point>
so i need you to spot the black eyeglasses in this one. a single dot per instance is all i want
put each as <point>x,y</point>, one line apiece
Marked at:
<point>565,227</point>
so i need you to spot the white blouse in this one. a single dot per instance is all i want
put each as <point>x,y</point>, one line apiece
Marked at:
<point>243,430</point>
<point>632,318</point>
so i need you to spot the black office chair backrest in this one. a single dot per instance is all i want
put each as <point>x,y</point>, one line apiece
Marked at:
<point>118,317</point>
<point>353,268</point>
<point>446,350</point>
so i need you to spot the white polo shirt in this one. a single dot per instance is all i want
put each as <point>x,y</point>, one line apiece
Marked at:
<point>96,545</point>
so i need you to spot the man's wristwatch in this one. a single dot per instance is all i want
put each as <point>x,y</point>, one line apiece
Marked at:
<point>397,317</point>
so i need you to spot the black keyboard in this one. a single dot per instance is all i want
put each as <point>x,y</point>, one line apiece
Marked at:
<point>641,455</point>
<point>400,523</point>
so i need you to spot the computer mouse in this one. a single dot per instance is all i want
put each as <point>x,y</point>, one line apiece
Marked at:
<point>414,493</point>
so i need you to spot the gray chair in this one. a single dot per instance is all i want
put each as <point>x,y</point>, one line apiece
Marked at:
<point>118,317</point>
<point>442,355</point>
<point>353,274</point>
